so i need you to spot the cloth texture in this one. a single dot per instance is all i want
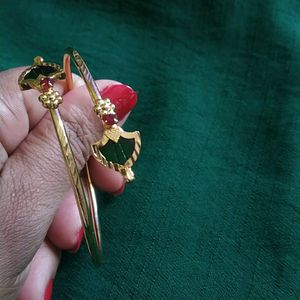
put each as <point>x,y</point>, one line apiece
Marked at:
<point>215,210</point>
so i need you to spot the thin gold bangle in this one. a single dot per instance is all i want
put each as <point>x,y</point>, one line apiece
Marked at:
<point>126,145</point>
<point>41,76</point>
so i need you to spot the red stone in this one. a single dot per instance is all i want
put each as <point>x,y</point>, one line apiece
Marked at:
<point>110,119</point>
<point>46,84</point>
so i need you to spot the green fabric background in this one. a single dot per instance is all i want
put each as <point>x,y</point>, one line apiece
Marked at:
<point>215,210</point>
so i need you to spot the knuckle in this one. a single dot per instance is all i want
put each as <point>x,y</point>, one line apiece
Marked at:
<point>11,112</point>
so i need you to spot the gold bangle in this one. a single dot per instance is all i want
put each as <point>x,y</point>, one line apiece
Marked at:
<point>41,76</point>
<point>117,149</point>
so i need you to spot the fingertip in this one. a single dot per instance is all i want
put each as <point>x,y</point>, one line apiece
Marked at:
<point>104,178</point>
<point>39,282</point>
<point>66,225</point>
<point>122,96</point>
<point>48,291</point>
<point>79,237</point>
<point>120,191</point>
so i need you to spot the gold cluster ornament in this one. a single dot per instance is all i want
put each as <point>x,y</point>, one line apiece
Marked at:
<point>105,110</point>
<point>50,99</point>
<point>104,107</point>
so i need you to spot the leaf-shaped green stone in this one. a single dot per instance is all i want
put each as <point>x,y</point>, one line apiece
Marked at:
<point>118,152</point>
<point>40,70</point>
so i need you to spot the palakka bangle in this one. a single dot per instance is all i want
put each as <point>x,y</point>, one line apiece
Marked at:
<point>117,149</point>
<point>41,76</point>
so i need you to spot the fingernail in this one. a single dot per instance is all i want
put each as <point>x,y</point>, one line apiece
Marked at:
<point>119,191</point>
<point>78,241</point>
<point>122,96</point>
<point>48,291</point>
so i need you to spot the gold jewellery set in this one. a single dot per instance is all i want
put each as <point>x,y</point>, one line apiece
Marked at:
<point>117,149</point>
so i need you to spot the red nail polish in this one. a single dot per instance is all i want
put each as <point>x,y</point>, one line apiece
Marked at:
<point>122,96</point>
<point>48,291</point>
<point>78,241</point>
<point>120,190</point>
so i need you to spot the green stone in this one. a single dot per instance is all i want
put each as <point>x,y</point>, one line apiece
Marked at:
<point>118,152</point>
<point>40,70</point>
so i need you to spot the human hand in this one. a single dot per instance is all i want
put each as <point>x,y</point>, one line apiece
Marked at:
<point>38,213</point>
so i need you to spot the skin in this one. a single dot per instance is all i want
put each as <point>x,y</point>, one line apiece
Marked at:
<point>38,214</point>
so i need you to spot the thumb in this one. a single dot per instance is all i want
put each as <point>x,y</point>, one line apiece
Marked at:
<point>34,179</point>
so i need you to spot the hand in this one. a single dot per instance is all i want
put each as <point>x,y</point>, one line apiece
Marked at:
<point>38,214</point>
